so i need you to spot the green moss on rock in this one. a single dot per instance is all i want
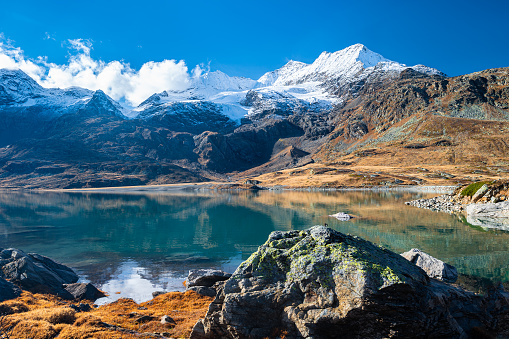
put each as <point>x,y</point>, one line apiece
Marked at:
<point>327,257</point>
<point>471,189</point>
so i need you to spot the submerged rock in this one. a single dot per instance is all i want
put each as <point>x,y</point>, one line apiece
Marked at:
<point>320,283</point>
<point>433,267</point>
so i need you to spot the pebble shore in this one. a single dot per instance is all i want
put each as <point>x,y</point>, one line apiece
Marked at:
<point>443,203</point>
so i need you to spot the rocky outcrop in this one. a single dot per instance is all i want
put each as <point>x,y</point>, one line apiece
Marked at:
<point>320,283</point>
<point>39,274</point>
<point>489,215</point>
<point>434,268</point>
<point>250,145</point>
<point>36,273</point>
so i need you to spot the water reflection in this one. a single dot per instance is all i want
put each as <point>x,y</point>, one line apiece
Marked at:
<point>146,240</point>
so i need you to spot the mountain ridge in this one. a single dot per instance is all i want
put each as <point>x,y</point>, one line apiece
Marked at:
<point>231,127</point>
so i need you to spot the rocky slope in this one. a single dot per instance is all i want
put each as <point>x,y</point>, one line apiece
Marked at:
<point>348,108</point>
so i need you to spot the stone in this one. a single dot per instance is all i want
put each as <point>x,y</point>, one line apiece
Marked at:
<point>205,277</point>
<point>8,290</point>
<point>433,267</point>
<point>81,307</point>
<point>320,283</point>
<point>480,193</point>
<point>203,290</point>
<point>82,291</point>
<point>341,216</point>
<point>489,215</point>
<point>158,293</point>
<point>36,273</point>
<point>167,320</point>
<point>144,319</point>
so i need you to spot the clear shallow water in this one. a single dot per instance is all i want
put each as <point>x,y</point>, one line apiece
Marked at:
<point>139,243</point>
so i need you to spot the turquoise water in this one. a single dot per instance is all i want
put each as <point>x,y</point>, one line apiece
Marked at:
<point>139,243</point>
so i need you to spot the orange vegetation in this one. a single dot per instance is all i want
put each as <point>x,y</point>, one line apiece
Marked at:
<point>40,316</point>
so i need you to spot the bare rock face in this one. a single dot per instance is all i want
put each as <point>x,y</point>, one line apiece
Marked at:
<point>320,283</point>
<point>37,273</point>
<point>434,267</point>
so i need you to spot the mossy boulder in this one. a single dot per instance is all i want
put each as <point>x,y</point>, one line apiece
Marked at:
<point>320,283</point>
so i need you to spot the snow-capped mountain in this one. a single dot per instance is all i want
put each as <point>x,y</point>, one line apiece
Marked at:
<point>296,86</point>
<point>20,93</point>
<point>214,99</point>
<point>221,93</point>
<point>346,65</point>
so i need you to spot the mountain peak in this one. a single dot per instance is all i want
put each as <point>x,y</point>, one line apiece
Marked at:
<point>347,57</point>
<point>101,104</point>
<point>18,83</point>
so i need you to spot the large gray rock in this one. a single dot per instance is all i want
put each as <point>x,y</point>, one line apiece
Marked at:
<point>206,277</point>
<point>320,283</point>
<point>489,215</point>
<point>36,273</point>
<point>82,291</point>
<point>8,290</point>
<point>433,267</point>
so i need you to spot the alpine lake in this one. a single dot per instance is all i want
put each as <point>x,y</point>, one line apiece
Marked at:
<point>132,244</point>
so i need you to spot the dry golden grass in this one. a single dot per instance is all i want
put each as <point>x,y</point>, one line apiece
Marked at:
<point>40,316</point>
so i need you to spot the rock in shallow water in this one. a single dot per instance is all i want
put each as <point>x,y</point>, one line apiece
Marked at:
<point>320,283</point>
<point>341,216</point>
<point>490,215</point>
<point>434,267</point>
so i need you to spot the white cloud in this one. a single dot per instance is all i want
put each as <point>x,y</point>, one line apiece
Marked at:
<point>115,78</point>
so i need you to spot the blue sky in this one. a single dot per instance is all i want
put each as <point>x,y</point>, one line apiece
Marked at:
<point>248,38</point>
<point>132,49</point>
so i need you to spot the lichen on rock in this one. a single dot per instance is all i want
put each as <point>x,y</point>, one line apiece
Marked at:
<point>326,257</point>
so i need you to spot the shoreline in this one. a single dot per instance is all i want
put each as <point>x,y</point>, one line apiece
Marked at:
<point>221,186</point>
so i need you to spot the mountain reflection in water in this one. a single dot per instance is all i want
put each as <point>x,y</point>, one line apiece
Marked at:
<point>139,243</point>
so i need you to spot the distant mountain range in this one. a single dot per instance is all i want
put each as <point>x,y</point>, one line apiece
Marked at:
<point>341,103</point>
